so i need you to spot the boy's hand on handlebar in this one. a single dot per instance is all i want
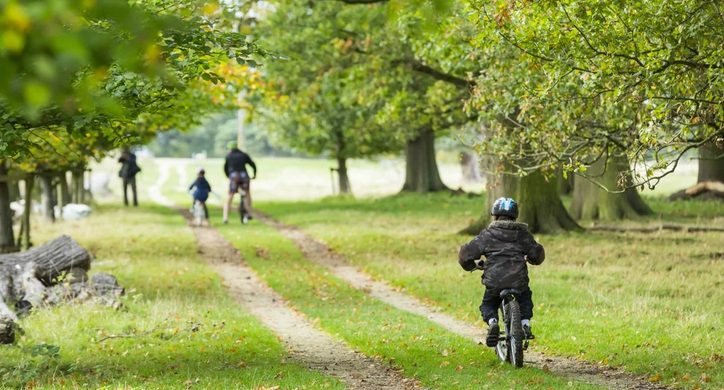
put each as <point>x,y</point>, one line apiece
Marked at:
<point>480,265</point>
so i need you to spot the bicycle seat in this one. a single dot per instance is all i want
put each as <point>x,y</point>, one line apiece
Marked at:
<point>509,291</point>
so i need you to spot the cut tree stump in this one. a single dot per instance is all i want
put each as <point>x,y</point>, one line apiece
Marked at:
<point>706,190</point>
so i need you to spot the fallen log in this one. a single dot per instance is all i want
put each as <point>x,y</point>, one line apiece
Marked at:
<point>49,274</point>
<point>656,228</point>
<point>52,259</point>
<point>706,190</point>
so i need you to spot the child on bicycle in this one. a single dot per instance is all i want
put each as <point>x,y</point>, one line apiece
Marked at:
<point>507,245</point>
<point>201,194</point>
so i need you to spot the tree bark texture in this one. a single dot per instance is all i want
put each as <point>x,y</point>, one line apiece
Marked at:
<point>46,197</point>
<point>421,173</point>
<point>65,197</point>
<point>344,187</point>
<point>537,196</point>
<point>711,163</point>
<point>52,258</point>
<point>30,280</point>
<point>566,184</point>
<point>469,165</point>
<point>29,184</point>
<point>591,202</point>
<point>78,185</point>
<point>7,237</point>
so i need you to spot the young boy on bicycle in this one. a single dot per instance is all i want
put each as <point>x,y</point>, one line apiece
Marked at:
<point>507,245</point>
<point>201,194</point>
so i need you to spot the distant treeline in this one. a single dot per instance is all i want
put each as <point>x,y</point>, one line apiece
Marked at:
<point>212,137</point>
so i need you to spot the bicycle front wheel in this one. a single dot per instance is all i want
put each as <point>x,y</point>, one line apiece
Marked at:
<point>516,334</point>
<point>503,347</point>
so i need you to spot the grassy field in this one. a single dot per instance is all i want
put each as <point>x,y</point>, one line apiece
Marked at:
<point>181,323</point>
<point>646,302</point>
<point>424,351</point>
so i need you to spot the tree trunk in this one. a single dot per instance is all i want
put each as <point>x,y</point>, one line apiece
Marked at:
<point>711,163</point>
<point>565,185</point>
<point>7,237</point>
<point>29,183</point>
<point>64,192</point>
<point>590,202</point>
<point>540,205</point>
<point>344,187</point>
<point>78,186</point>
<point>46,197</point>
<point>421,174</point>
<point>469,165</point>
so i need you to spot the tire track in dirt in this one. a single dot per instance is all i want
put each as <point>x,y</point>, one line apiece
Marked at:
<point>575,370</point>
<point>312,347</point>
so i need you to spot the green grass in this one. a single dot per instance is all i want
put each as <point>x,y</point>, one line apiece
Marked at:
<point>422,349</point>
<point>196,330</point>
<point>650,303</point>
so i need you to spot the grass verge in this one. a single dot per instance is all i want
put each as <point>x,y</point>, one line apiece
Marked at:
<point>184,331</point>
<point>432,355</point>
<point>646,302</point>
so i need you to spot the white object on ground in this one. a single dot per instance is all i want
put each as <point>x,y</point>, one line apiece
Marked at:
<point>73,211</point>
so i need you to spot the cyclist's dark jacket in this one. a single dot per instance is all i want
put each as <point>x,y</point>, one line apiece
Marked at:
<point>236,161</point>
<point>504,245</point>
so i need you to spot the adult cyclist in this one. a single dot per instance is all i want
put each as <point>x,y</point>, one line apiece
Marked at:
<point>235,170</point>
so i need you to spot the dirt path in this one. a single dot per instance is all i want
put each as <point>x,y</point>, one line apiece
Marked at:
<point>320,253</point>
<point>155,191</point>
<point>315,349</point>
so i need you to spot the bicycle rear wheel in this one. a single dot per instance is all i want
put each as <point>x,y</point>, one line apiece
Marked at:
<point>515,339</point>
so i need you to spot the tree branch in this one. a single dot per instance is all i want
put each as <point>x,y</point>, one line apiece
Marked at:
<point>418,66</point>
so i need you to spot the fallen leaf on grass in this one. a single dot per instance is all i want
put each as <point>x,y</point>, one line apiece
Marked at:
<point>705,378</point>
<point>357,375</point>
<point>655,378</point>
<point>444,352</point>
<point>279,375</point>
<point>545,368</point>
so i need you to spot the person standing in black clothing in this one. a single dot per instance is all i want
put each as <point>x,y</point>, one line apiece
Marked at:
<point>235,170</point>
<point>128,172</point>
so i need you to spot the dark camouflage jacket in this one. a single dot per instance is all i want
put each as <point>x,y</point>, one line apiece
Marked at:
<point>505,245</point>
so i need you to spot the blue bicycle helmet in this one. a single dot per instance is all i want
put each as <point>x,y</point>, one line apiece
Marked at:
<point>505,206</point>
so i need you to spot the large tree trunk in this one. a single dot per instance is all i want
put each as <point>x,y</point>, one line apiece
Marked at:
<point>344,187</point>
<point>566,184</point>
<point>537,196</point>
<point>711,176</point>
<point>711,163</point>
<point>421,173</point>
<point>591,202</point>
<point>46,197</point>
<point>469,165</point>
<point>7,237</point>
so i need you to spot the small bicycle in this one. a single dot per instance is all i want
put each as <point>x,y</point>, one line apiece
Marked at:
<point>512,340</point>
<point>199,212</point>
